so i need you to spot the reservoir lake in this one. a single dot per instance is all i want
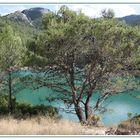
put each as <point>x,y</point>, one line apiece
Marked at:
<point>118,106</point>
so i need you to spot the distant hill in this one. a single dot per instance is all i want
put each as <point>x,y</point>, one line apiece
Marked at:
<point>132,20</point>
<point>26,23</point>
<point>18,17</point>
<point>35,13</point>
<point>32,16</point>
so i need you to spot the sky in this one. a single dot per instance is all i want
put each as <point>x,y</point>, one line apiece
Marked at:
<point>92,10</point>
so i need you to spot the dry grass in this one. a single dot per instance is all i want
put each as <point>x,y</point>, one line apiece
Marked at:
<point>129,125</point>
<point>45,126</point>
<point>39,126</point>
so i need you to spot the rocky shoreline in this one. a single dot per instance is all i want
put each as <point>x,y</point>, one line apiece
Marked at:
<point>113,131</point>
<point>128,127</point>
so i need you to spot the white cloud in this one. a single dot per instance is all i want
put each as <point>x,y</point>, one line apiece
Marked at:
<point>6,9</point>
<point>119,9</point>
<point>86,9</point>
<point>94,10</point>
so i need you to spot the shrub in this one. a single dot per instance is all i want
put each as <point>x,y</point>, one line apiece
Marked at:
<point>96,119</point>
<point>29,110</point>
<point>23,110</point>
<point>3,104</point>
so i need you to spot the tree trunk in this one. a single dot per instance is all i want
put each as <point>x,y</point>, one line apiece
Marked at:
<point>79,113</point>
<point>77,107</point>
<point>10,106</point>
<point>88,111</point>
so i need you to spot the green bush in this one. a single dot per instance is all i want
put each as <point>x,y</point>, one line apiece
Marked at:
<point>29,110</point>
<point>3,104</point>
<point>23,110</point>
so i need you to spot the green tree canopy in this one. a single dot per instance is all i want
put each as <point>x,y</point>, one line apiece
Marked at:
<point>107,14</point>
<point>11,49</point>
<point>85,55</point>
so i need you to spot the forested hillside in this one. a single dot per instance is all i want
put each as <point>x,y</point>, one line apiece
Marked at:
<point>132,20</point>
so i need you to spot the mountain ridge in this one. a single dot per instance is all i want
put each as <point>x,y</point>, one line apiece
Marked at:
<point>33,16</point>
<point>132,20</point>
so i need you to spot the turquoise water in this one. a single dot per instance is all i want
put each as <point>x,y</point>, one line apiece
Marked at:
<point>118,106</point>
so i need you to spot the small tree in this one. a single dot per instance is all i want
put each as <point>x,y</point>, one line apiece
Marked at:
<point>11,55</point>
<point>108,14</point>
